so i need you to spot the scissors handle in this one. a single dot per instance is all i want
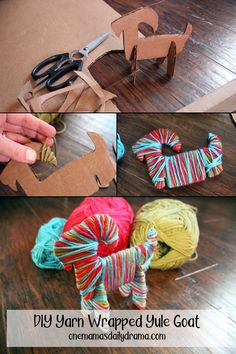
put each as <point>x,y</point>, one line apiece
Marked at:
<point>75,65</point>
<point>58,59</point>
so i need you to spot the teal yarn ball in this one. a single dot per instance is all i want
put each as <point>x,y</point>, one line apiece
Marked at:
<point>120,148</point>
<point>42,253</point>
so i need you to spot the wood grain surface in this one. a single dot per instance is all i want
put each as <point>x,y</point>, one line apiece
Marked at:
<point>74,143</point>
<point>207,62</point>
<point>24,286</point>
<point>133,177</point>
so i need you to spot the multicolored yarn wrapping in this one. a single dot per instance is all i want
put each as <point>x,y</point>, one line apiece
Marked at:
<point>120,148</point>
<point>116,207</point>
<point>182,169</point>
<point>178,232</point>
<point>95,275</point>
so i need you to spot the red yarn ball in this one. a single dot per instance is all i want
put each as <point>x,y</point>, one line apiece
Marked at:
<point>116,207</point>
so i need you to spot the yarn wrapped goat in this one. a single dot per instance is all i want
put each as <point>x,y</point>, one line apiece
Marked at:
<point>182,169</point>
<point>95,275</point>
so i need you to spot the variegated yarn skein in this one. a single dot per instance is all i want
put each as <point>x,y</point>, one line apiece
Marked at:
<point>178,232</point>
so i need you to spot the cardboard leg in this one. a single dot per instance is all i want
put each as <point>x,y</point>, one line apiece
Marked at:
<point>134,60</point>
<point>233,115</point>
<point>160,60</point>
<point>134,63</point>
<point>171,60</point>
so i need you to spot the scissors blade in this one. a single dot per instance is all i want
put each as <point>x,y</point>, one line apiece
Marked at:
<point>95,43</point>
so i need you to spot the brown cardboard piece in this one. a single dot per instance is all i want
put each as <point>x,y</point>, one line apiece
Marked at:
<point>222,100</point>
<point>128,26</point>
<point>80,177</point>
<point>151,47</point>
<point>85,95</point>
<point>31,31</point>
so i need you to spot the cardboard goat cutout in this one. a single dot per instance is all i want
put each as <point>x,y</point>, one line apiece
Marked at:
<point>181,169</point>
<point>151,47</point>
<point>80,177</point>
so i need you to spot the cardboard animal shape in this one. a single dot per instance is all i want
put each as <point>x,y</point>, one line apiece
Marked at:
<point>80,177</point>
<point>151,47</point>
<point>95,276</point>
<point>182,169</point>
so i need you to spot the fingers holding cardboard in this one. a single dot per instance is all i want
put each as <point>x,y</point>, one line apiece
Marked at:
<point>80,177</point>
<point>16,151</point>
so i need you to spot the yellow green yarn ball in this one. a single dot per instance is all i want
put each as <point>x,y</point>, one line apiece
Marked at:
<point>53,118</point>
<point>178,232</point>
<point>47,117</point>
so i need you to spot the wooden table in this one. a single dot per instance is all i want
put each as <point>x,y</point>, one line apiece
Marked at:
<point>133,177</point>
<point>207,62</point>
<point>74,143</point>
<point>24,286</point>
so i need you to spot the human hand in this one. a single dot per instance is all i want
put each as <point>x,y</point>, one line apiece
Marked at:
<point>15,131</point>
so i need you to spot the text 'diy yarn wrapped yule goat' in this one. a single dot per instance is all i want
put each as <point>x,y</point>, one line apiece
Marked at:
<point>95,275</point>
<point>181,169</point>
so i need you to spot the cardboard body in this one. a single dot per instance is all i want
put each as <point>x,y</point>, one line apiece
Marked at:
<point>80,177</point>
<point>158,46</point>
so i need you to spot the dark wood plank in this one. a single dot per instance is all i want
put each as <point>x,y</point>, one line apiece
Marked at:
<point>207,62</point>
<point>75,142</point>
<point>133,177</point>
<point>208,19</point>
<point>21,282</point>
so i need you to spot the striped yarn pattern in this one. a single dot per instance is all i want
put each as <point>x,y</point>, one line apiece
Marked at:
<point>181,169</point>
<point>95,275</point>
<point>119,268</point>
<point>139,289</point>
<point>213,156</point>
<point>79,247</point>
<point>99,303</point>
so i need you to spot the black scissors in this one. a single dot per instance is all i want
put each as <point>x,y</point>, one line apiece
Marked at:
<point>63,64</point>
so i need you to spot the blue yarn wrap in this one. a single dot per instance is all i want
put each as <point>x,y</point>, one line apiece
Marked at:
<point>42,253</point>
<point>120,148</point>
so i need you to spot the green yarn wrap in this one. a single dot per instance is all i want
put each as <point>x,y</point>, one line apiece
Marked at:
<point>42,253</point>
<point>178,231</point>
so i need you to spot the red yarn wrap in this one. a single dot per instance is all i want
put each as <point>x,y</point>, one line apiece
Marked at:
<point>116,207</point>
